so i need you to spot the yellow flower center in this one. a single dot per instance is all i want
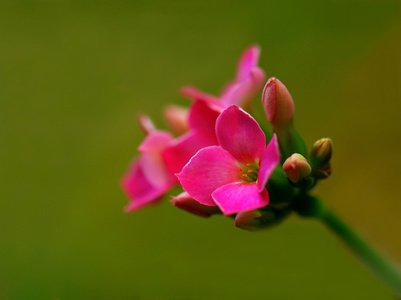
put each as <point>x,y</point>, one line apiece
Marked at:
<point>249,172</point>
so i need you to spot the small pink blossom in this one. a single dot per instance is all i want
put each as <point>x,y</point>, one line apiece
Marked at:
<point>233,174</point>
<point>148,178</point>
<point>247,83</point>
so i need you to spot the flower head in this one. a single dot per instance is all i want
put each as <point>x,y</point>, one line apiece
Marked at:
<point>233,174</point>
<point>220,156</point>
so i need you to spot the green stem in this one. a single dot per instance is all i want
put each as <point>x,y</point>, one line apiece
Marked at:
<point>383,268</point>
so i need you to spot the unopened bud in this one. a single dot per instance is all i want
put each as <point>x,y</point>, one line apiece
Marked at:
<point>321,152</point>
<point>254,219</point>
<point>177,118</point>
<point>297,167</point>
<point>186,202</point>
<point>145,124</point>
<point>278,103</point>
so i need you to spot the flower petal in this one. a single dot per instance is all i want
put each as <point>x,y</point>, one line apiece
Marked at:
<point>155,141</point>
<point>269,161</point>
<point>152,163</point>
<point>182,149</point>
<point>248,60</point>
<point>195,94</point>
<point>208,170</point>
<point>240,134</point>
<point>242,92</point>
<point>238,197</point>
<point>139,189</point>
<point>186,202</point>
<point>202,117</point>
<point>145,123</point>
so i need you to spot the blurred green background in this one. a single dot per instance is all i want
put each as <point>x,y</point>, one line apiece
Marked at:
<point>74,75</point>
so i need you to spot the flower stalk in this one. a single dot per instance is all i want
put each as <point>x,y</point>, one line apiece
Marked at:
<point>375,261</point>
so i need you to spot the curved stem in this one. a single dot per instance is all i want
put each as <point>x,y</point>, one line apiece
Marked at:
<point>383,268</point>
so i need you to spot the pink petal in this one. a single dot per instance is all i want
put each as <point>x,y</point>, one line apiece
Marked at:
<point>242,92</point>
<point>238,197</point>
<point>248,60</point>
<point>152,163</point>
<point>145,124</point>
<point>208,170</point>
<point>177,155</point>
<point>155,141</point>
<point>139,189</point>
<point>195,94</point>
<point>186,202</point>
<point>240,134</point>
<point>203,115</point>
<point>269,161</point>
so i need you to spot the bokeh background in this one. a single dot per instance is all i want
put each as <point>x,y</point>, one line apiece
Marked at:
<point>74,75</point>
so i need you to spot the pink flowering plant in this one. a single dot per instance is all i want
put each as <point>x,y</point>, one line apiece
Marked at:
<point>227,164</point>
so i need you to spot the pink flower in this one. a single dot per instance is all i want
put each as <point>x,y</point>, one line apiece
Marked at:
<point>233,174</point>
<point>161,156</point>
<point>148,179</point>
<point>248,81</point>
<point>201,122</point>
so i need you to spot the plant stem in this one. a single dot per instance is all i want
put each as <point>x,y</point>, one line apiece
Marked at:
<point>383,268</point>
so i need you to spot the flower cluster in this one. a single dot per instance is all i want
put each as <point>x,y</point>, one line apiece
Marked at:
<point>223,160</point>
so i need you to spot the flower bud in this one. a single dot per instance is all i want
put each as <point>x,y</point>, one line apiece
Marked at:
<point>145,124</point>
<point>254,219</point>
<point>278,103</point>
<point>321,152</point>
<point>186,202</point>
<point>297,168</point>
<point>177,118</point>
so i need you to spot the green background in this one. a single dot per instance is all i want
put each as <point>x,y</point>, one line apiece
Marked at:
<point>74,75</point>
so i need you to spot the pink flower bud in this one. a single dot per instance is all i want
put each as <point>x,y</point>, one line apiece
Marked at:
<point>177,118</point>
<point>185,202</point>
<point>254,219</point>
<point>296,167</point>
<point>278,103</point>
